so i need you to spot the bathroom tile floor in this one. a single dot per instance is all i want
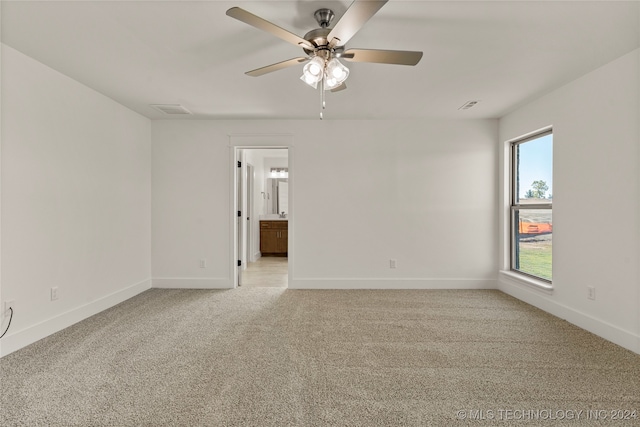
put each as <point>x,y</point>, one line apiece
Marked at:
<point>266,272</point>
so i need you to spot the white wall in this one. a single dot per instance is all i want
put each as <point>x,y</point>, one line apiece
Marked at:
<point>190,205</point>
<point>422,192</point>
<point>75,200</point>
<point>596,211</point>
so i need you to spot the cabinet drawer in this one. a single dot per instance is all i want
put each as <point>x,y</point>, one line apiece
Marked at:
<point>274,224</point>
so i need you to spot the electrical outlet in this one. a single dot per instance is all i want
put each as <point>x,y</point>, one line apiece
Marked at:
<point>591,292</point>
<point>54,293</point>
<point>392,263</point>
<point>11,304</point>
<point>203,263</point>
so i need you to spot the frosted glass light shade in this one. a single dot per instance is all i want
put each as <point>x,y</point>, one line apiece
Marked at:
<point>331,83</point>
<point>336,70</point>
<point>310,82</point>
<point>313,71</point>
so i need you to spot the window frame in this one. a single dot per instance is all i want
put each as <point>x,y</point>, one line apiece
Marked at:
<point>515,206</point>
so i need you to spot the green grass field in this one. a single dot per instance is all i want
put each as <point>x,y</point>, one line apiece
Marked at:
<point>535,259</point>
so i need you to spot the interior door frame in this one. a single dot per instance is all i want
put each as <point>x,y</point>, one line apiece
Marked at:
<point>239,142</point>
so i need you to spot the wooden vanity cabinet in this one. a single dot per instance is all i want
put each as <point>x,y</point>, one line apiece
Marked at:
<point>274,237</point>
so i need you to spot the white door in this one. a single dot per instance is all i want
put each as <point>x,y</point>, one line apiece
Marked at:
<point>239,204</point>
<point>248,214</point>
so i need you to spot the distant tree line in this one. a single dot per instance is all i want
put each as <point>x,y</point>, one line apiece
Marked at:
<point>538,190</point>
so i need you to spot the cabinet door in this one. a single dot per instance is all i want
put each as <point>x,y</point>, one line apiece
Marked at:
<point>269,241</point>
<point>283,242</point>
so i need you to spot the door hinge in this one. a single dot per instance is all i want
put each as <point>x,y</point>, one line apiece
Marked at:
<point>239,164</point>
<point>239,213</point>
<point>239,263</point>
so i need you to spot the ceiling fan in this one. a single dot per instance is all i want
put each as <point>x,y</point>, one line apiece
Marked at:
<point>324,46</point>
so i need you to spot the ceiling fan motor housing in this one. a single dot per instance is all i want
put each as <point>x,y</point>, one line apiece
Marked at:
<point>318,38</point>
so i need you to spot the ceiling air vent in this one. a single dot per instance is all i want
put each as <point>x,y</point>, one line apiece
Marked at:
<point>468,104</point>
<point>171,109</point>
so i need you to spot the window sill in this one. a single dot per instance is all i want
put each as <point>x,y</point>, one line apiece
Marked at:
<point>520,279</point>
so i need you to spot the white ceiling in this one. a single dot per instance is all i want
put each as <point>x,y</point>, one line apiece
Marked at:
<point>503,53</point>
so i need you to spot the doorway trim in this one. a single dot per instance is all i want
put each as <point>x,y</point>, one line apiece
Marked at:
<point>260,141</point>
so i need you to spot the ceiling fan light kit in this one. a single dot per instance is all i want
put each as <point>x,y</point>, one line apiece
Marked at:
<point>332,72</point>
<point>313,71</point>
<point>323,46</point>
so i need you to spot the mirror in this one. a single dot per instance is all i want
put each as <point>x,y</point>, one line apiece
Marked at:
<point>277,195</point>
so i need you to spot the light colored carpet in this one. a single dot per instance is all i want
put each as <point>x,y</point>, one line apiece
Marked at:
<point>277,357</point>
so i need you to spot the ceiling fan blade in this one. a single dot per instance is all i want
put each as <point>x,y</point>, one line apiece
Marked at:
<point>264,25</point>
<point>343,86</point>
<point>400,57</point>
<point>275,67</point>
<point>353,19</point>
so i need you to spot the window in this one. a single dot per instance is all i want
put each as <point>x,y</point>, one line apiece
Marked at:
<point>532,205</point>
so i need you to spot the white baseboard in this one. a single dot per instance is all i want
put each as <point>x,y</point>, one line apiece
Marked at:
<point>191,283</point>
<point>31,334</point>
<point>541,300</point>
<point>378,283</point>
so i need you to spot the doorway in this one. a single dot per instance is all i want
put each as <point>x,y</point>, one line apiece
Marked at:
<point>263,198</point>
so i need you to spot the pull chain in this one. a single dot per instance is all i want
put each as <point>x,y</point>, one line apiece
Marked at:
<point>322,104</point>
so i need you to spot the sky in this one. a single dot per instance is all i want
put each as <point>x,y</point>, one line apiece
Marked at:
<point>536,163</point>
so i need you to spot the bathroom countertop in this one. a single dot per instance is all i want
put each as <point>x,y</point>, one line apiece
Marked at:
<point>272,218</point>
